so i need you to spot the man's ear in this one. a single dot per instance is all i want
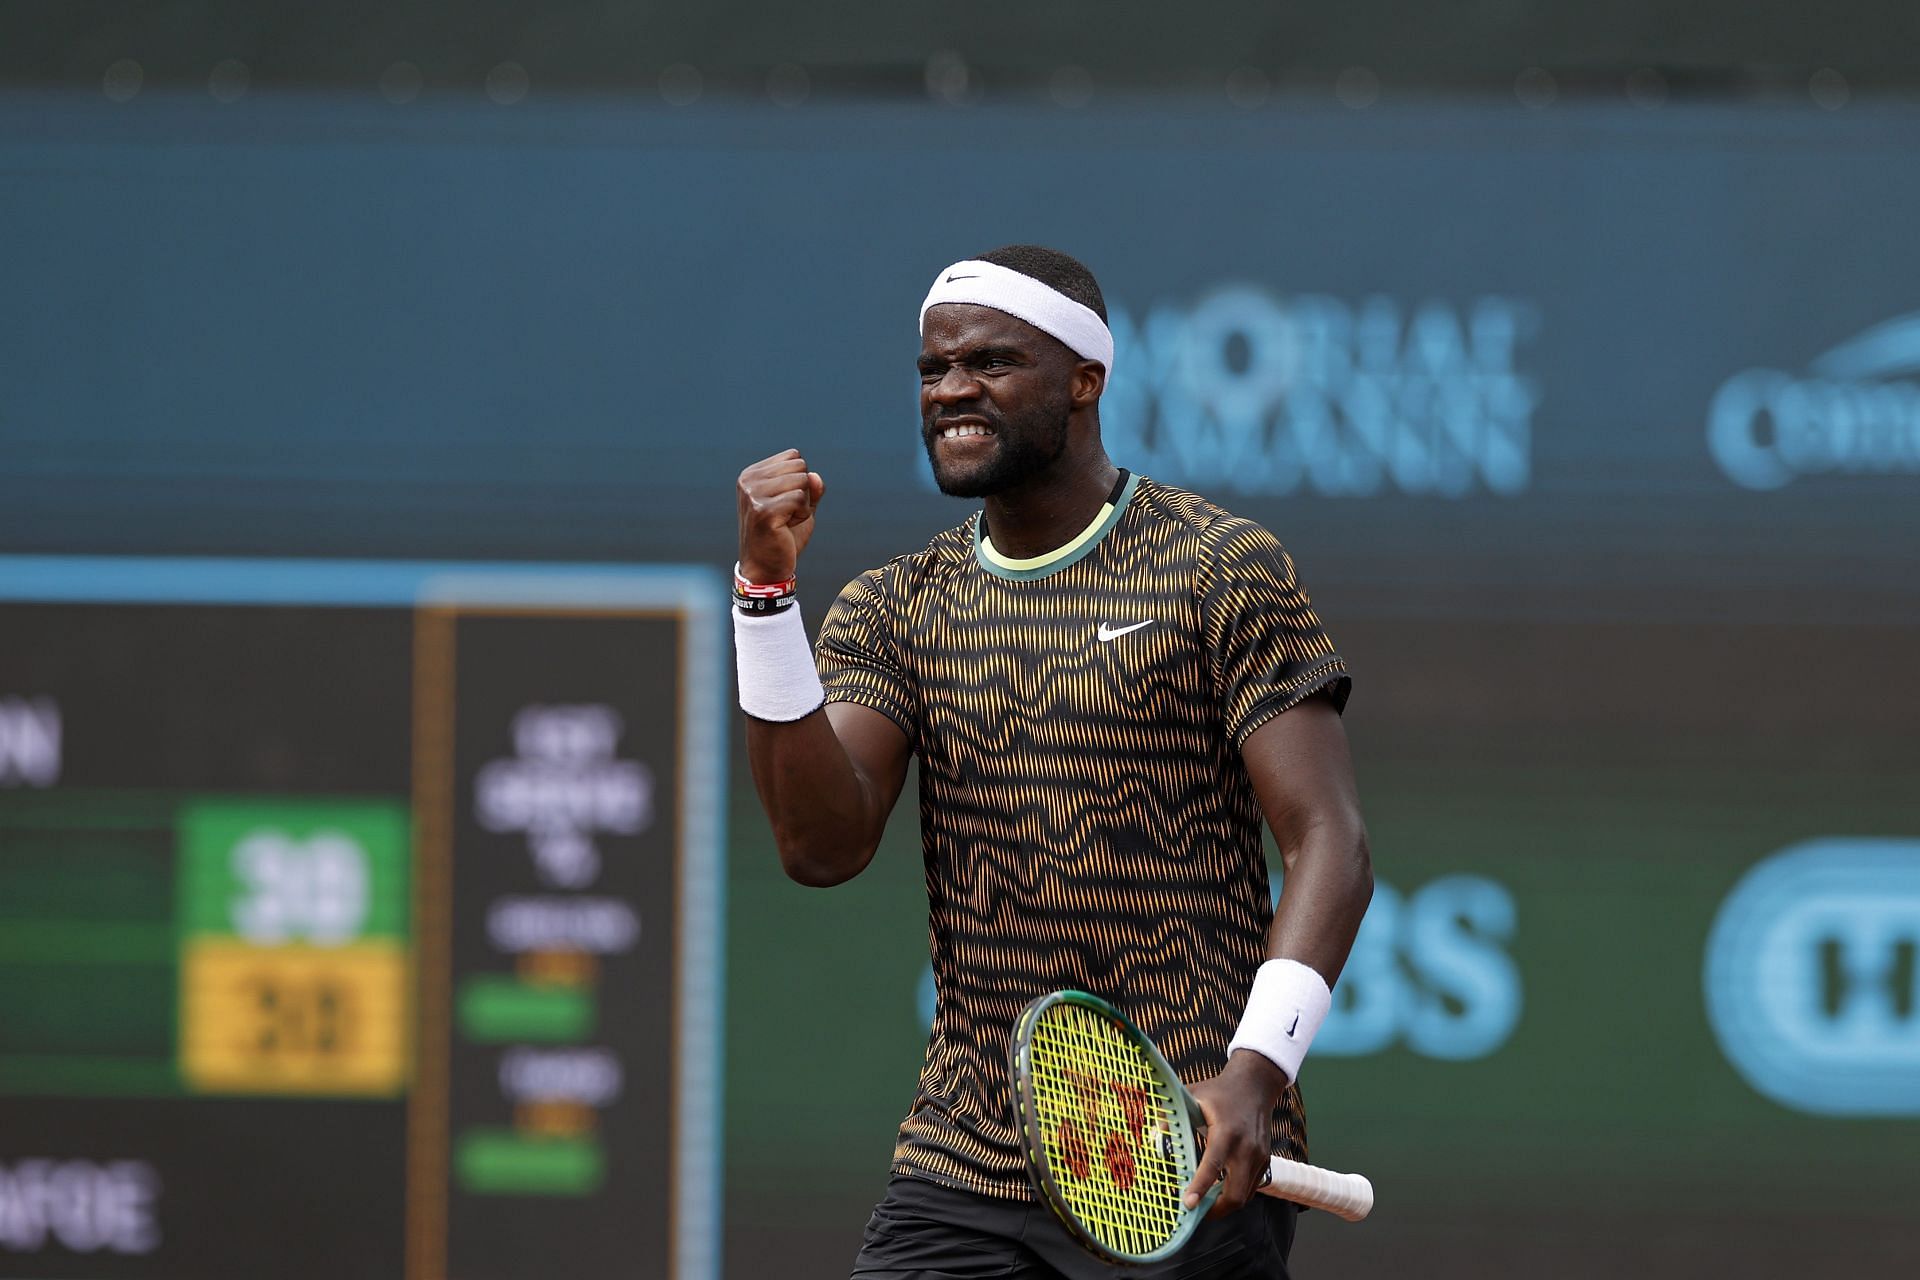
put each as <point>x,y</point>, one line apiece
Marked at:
<point>1089,380</point>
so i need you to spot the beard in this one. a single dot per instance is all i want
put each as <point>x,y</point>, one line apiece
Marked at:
<point>1025,445</point>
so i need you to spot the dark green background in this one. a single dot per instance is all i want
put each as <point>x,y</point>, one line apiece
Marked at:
<point>1619,796</point>
<point>1617,777</point>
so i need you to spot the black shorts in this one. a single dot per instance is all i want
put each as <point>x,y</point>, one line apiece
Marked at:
<point>922,1230</point>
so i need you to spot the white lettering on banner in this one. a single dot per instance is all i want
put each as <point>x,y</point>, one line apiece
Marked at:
<point>1245,393</point>
<point>592,1077</point>
<point>1429,970</point>
<point>1766,428</point>
<point>1812,977</point>
<point>29,742</point>
<point>80,1205</point>
<point>563,786</point>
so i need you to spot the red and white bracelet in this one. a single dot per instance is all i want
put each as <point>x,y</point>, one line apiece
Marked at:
<point>760,590</point>
<point>778,680</point>
<point>760,598</point>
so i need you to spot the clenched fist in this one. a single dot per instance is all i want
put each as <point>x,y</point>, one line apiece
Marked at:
<point>777,499</point>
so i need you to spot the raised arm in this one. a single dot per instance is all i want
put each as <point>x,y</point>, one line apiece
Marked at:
<point>828,776</point>
<point>828,782</point>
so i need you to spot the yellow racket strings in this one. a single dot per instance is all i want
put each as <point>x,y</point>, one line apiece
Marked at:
<point>1102,1112</point>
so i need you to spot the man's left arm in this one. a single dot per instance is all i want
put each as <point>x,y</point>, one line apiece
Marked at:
<point>1302,773</point>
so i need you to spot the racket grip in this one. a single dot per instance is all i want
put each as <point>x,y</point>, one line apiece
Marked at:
<point>1345,1195</point>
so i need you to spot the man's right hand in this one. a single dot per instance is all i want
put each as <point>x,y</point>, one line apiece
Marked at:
<point>777,499</point>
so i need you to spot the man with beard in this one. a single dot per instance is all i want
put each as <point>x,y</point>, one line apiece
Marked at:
<point>1107,682</point>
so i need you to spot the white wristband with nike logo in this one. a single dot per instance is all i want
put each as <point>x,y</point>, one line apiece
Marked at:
<point>1288,1003</point>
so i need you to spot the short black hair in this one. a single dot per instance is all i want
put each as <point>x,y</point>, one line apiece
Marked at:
<point>1052,268</point>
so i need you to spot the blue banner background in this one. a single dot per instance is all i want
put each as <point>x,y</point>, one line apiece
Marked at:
<point>324,326</point>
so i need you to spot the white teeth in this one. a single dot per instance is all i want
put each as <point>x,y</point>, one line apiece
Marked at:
<point>954,433</point>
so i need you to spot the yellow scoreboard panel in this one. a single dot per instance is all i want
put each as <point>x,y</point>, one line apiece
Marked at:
<point>293,1019</point>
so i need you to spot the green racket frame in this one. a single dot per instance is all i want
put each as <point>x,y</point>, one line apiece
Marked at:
<point>1181,1141</point>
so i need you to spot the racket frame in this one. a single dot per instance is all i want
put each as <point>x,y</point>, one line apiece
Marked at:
<point>1183,1116</point>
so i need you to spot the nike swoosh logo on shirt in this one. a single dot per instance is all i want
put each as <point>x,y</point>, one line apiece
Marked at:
<point>1105,633</point>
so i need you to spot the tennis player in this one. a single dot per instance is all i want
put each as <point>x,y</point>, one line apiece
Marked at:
<point>1107,682</point>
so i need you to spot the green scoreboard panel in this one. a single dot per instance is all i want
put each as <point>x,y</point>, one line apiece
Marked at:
<point>358,920</point>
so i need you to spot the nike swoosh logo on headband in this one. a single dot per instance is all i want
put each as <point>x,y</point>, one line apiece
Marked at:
<point>951,279</point>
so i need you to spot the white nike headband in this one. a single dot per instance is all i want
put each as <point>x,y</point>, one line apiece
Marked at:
<point>988,284</point>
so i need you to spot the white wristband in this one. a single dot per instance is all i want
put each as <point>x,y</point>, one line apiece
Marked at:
<point>778,680</point>
<point>1288,1003</point>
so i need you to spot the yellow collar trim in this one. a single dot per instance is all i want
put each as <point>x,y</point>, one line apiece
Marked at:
<point>1046,558</point>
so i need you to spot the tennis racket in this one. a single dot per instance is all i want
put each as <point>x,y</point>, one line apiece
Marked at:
<point>1111,1136</point>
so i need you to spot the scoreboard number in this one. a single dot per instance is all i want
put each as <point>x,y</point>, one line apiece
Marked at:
<point>314,889</point>
<point>301,1018</point>
<point>294,961</point>
<point>294,1019</point>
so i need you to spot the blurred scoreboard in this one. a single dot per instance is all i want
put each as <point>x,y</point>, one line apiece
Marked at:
<point>359,920</point>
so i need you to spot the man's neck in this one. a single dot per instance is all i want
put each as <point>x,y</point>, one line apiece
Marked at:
<point>1038,518</point>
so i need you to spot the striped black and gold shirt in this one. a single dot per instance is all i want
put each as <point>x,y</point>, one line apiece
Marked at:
<point>1085,816</point>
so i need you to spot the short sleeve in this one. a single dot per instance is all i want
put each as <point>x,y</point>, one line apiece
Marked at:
<point>1268,649</point>
<point>857,656</point>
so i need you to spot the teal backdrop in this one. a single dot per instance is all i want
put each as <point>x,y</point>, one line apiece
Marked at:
<point>1594,431</point>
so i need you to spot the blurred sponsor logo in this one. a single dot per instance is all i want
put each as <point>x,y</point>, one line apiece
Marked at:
<point>1430,970</point>
<point>1811,976</point>
<point>1850,417</point>
<point>1246,393</point>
